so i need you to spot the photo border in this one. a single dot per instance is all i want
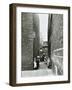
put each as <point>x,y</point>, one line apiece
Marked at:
<point>12,63</point>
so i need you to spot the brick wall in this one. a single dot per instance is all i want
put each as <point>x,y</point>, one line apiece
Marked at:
<point>55,42</point>
<point>27,41</point>
<point>36,43</point>
<point>56,29</point>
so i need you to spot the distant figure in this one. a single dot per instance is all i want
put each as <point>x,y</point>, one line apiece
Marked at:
<point>36,62</point>
<point>43,56</point>
<point>45,60</point>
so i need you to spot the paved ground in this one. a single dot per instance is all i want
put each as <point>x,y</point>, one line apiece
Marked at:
<point>42,71</point>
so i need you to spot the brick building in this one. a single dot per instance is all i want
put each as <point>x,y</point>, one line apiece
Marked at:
<point>29,39</point>
<point>55,41</point>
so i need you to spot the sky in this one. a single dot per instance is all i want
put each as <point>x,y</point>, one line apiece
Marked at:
<point>43,25</point>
